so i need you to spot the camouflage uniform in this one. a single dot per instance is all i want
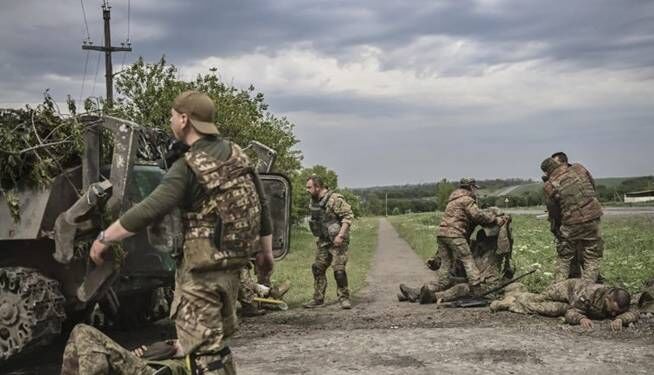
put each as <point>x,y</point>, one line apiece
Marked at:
<point>575,299</point>
<point>489,260</point>
<point>248,288</point>
<point>459,220</point>
<point>574,212</point>
<point>90,352</point>
<point>327,216</point>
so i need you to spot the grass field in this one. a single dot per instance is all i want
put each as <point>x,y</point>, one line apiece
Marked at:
<point>628,246</point>
<point>296,267</point>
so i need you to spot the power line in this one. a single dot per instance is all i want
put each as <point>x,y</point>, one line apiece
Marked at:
<point>86,64</point>
<point>97,68</point>
<point>86,24</point>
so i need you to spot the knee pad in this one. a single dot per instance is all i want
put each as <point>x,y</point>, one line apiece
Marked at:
<point>341,279</point>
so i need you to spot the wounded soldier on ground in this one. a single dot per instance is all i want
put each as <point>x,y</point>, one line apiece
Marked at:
<point>577,300</point>
<point>491,251</point>
<point>251,289</point>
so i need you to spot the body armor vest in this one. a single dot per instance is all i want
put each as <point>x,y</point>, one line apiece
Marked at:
<point>231,212</point>
<point>577,197</point>
<point>324,225</point>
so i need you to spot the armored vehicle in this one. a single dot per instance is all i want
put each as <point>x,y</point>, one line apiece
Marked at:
<point>46,277</point>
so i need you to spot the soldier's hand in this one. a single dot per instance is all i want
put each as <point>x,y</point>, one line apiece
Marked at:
<point>338,240</point>
<point>616,325</point>
<point>97,252</point>
<point>586,323</point>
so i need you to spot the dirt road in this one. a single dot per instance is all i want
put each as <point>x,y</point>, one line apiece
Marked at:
<point>382,336</point>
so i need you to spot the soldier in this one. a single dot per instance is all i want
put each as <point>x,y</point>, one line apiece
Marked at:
<point>331,218</point>
<point>460,218</point>
<point>574,213</point>
<point>250,289</point>
<point>578,300</point>
<point>489,259</point>
<point>216,188</point>
<point>90,352</point>
<point>577,261</point>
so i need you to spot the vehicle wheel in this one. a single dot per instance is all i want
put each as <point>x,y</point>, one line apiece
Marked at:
<point>31,310</point>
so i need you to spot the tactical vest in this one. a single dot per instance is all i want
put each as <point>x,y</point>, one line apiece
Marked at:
<point>577,198</point>
<point>323,223</point>
<point>231,213</point>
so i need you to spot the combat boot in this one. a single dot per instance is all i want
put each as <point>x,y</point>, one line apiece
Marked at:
<point>345,304</point>
<point>426,295</point>
<point>277,292</point>
<point>411,294</point>
<point>313,304</point>
<point>250,310</point>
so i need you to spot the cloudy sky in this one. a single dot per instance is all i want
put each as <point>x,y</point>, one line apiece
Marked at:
<point>384,92</point>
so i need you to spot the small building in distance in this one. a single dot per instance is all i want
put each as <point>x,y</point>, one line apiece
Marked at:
<point>639,196</point>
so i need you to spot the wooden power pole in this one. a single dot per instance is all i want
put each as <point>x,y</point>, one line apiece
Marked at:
<point>92,151</point>
<point>108,50</point>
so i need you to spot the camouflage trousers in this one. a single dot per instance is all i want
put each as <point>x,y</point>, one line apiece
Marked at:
<point>326,255</point>
<point>204,310</point>
<point>451,249</point>
<point>463,290</point>
<point>579,245</point>
<point>90,352</point>
<point>552,302</point>
<point>248,288</point>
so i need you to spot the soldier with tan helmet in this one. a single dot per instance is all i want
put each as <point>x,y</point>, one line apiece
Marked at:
<point>460,218</point>
<point>216,189</point>
<point>574,212</point>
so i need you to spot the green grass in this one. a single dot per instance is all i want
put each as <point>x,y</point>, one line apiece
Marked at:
<point>628,246</point>
<point>296,267</point>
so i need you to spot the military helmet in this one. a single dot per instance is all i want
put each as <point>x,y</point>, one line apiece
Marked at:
<point>549,165</point>
<point>468,182</point>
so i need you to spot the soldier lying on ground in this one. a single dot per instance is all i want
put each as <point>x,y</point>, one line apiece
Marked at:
<point>577,300</point>
<point>250,289</point>
<point>491,251</point>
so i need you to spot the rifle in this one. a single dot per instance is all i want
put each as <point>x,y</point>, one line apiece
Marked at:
<point>481,301</point>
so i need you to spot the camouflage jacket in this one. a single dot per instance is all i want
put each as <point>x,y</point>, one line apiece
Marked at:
<point>570,197</point>
<point>487,260</point>
<point>462,215</point>
<point>586,300</point>
<point>582,171</point>
<point>334,210</point>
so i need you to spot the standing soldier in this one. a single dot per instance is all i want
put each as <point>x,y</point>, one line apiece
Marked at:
<point>460,218</point>
<point>577,261</point>
<point>331,218</point>
<point>574,212</point>
<point>215,186</point>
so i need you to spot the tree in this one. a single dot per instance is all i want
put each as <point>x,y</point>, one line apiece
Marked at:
<point>146,92</point>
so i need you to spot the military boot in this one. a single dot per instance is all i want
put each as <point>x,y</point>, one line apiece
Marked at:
<point>251,310</point>
<point>313,304</point>
<point>411,294</point>
<point>426,295</point>
<point>278,291</point>
<point>345,303</point>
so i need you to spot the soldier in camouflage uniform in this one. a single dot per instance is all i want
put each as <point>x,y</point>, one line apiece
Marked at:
<point>90,352</point>
<point>217,190</point>
<point>251,289</point>
<point>578,300</point>
<point>576,265</point>
<point>460,218</point>
<point>574,213</point>
<point>331,218</point>
<point>492,261</point>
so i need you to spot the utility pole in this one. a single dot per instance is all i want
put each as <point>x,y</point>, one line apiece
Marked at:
<point>386,205</point>
<point>107,49</point>
<point>92,151</point>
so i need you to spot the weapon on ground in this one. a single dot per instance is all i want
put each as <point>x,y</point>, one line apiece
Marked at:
<point>481,301</point>
<point>271,303</point>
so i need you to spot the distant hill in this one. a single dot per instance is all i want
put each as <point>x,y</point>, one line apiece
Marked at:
<point>521,192</point>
